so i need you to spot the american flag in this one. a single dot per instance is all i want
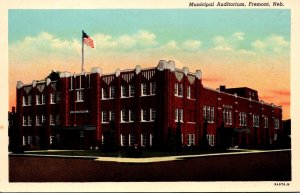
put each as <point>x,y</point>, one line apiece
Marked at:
<point>87,40</point>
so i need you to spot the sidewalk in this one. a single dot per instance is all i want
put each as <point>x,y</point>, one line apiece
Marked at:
<point>147,160</point>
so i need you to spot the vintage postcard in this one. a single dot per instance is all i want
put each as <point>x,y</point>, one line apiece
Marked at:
<point>149,96</point>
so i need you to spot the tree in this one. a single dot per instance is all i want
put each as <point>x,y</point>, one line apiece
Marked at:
<point>53,76</point>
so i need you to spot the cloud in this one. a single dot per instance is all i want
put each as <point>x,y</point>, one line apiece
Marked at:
<point>273,43</point>
<point>221,43</point>
<point>191,45</point>
<point>281,92</point>
<point>239,35</point>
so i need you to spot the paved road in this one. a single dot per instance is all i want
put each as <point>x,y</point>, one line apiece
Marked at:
<point>267,166</point>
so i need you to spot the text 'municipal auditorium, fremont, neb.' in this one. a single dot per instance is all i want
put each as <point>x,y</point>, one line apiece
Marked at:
<point>141,107</point>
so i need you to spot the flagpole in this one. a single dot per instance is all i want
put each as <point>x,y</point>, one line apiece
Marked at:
<point>82,50</point>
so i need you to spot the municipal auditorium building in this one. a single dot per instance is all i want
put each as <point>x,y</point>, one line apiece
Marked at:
<point>141,107</point>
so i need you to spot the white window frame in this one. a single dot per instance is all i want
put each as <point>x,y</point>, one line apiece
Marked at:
<point>131,90</point>
<point>180,115</point>
<point>52,98</point>
<point>123,91</point>
<point>25,121</point>
<point>112,115</point>
<point>211,139</point>
<point>190,139</point>
<point>131,139</point>
<point>29,123</point>
<point>43,99</point>
<point>153,88</point>
<point>276,123</point>
<point>38,120</point>
<point>176,115</point>
<point>38,99</point>
<point>122,140</point>
<point>52,121</point>
<point>104,94</point>
<point>144,89</point>
<point>80,95</point>
<point>123,116</point>
<point>152,114</point>
<point>143,140</point>
<point>143,115</point>
<point>104,117</point>
<point>43,119</point>
<point>176,89</point>
<point>131,115</point>
<point>188,92</point>
<point>112,92</point>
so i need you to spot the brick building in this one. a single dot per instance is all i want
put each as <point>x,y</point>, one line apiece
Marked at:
<point>141,106</point>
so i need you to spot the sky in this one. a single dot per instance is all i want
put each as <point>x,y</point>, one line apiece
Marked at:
<point>235,48</point>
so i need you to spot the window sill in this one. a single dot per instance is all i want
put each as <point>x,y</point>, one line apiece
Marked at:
<point>79,101</point>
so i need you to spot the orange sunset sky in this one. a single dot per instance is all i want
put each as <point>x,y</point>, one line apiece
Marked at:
<point>235,48</point>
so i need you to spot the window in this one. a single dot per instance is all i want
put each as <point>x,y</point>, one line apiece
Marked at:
<point>151,138</point>
<point>43,99</point>
<point>104,94</point>
<point>122,140</point>
<point>124,91</point>
<point>52,121</point>
<point>112,115</point>
<point>38,99</point>
<point>57,97</point>
<point>255,120</point>
<point>152,114</point>
<point>52,98</point>
<point>143,115</point>
<point>180,90</point>
<point>143,140</point>
<point>57,120</point>
<point>211,140</point>
<point>79,96</point>
<point>178,115</point>
<point>176,89</point>
<point>131,90</point>
<point>131,116</point>
<point>25,121</point>
<point>123,116</point>
<point>276,123</point>
<point>152,88</point>
<point>227,116</point>
<point>38,120</point>
<point>242,119</point>
<point>190,139</point>
<point>104,117</point>
<point>143,89</point>
<point>266,122</point>
<point>29,139</point>
<point>43,119</point>
<point>209,114</point>
<point>29,121</point>
<point>37,139</point>
<point>112,92</point>
<point>188,91</point>
<point>131,139</point>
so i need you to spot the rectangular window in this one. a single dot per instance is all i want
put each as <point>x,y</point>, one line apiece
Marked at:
<point>143,89</point>
<point>25,121</point>
<point>180,115</point>
<point>29,121</point>
<point>180,90</point>
<point>275,136</point>
<point>152,114</point>
<point>131,90</point>
<point>266,122</point>
<point>79,96</point>
<point>122,140</point>
<point>188,92</point>
<point>52,121</point>
<point>123,116</point>
<point>104,94</point>
<point>104,117</point>
<point>52,98</point>
<point>29,100</point>
<point>124,92</point>
<point>176,89</point>
<point>242,119</point>
<point>211,140</point>
<point>143,140</point>
<point>57,97</point>
<point>38,99</point>
<point>112,92</point>
<point>190,139</point>
<point>276,123</point>
<point>208,114</point>
<point>57,120</point>
<point>24,101</point>
<point>143,115</point>
<point>204,113</point>
<point>212,116</point>
<point>131,139</point>
<point>112,115</point>
<point>38,120</point>
<point>176,115</point>
<point>153,88</point>
<point>29,139</point>
<point>131,116</point>
<point>43,99</point>
<point>43,119</point>
<point>255,120</point>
